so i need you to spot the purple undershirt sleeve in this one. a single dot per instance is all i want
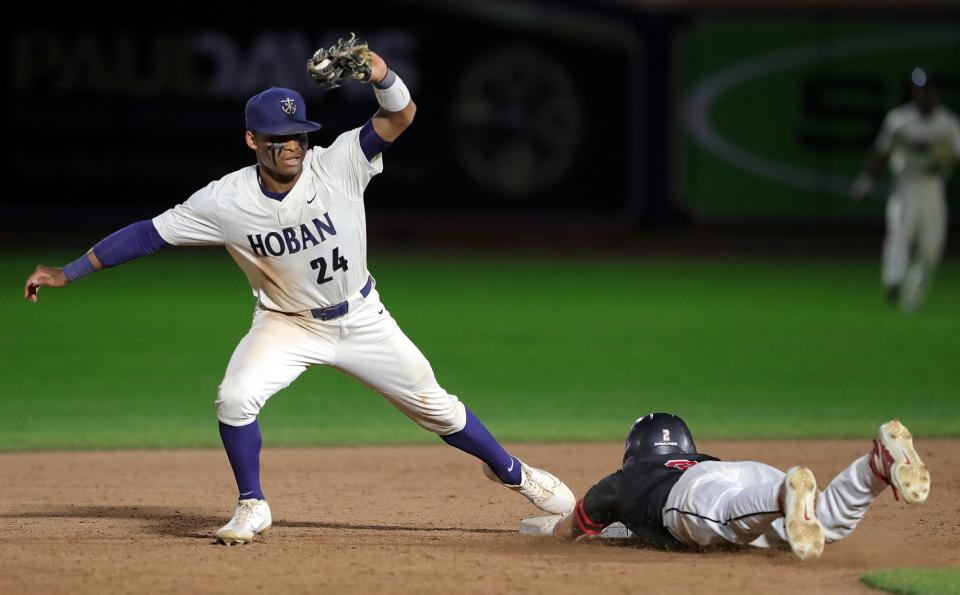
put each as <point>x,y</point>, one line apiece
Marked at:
<point>133,241</point>
<point>78,268</point>
<point>370,141</point>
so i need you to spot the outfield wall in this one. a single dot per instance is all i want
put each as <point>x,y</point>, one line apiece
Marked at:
<point>607,115</point>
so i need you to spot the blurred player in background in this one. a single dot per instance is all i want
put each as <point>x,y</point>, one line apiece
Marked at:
<point>921,141</point>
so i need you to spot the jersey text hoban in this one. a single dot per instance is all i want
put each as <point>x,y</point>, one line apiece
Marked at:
<point>291,240</point>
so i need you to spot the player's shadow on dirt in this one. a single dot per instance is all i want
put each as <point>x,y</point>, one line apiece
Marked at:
<point>164,520</point>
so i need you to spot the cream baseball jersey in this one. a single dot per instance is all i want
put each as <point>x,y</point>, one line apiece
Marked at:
<point>308,250</point>
<point>908,137</point>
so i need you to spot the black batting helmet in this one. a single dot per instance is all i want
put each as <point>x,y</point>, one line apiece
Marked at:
<point>658,434</point>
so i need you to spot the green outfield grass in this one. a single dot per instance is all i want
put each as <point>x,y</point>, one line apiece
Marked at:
<point>916,581</point>
<point>542,350</point>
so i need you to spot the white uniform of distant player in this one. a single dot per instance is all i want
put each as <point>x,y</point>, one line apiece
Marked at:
<point>308,249</point>
<point>917,208</point>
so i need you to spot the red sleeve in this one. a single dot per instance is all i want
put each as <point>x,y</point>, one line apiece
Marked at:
<point>587,526</point>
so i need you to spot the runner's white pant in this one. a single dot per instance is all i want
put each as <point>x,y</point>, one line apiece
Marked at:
<point>916,234</point>
<point>719,502</point>
<point>366,344</point>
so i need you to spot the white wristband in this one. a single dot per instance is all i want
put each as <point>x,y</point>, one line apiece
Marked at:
<point>395,97</point>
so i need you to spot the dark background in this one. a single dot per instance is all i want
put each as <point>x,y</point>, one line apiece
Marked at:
<point>537,120</point>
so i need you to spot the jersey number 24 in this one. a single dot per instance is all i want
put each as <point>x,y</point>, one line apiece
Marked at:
<point>320,265</point>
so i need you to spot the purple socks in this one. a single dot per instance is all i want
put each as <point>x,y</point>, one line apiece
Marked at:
<point>477,440</point>
<point>243,449</point>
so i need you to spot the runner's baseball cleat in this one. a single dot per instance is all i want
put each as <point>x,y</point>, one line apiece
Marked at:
<point>804,532</point>
<point>895,461</point>
<point>543,489</point>
<point>251,518</point>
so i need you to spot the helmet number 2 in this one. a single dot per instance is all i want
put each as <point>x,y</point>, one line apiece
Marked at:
<point>320,265</point>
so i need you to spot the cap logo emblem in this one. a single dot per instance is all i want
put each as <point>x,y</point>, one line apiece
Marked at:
<point>289,106</point>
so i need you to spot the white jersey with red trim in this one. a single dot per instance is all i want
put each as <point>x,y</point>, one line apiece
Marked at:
<point>308,250</point>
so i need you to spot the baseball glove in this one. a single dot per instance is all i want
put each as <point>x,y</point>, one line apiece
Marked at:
<point>346,59</point>
<point>941,154</point>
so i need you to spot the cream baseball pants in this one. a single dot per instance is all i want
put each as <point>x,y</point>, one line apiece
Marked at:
<point>366,343</point>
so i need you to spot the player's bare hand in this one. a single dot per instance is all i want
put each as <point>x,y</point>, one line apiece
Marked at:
<point>378,68</point>
<point>566,529</point>
<point>43,275</point>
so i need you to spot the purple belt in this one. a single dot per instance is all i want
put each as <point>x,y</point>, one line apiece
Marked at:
<point>338,310</point>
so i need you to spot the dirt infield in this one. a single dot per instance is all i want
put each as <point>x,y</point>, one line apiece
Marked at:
<point>411,519</point>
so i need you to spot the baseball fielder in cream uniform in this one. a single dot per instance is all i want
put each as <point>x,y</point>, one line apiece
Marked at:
<point>921,141</point>
<point>295,224</point>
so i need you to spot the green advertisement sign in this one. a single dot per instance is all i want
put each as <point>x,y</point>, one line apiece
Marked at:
<point>777,116</point>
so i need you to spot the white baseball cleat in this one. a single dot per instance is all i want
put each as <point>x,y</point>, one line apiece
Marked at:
<point>804,531</point>
<point>544,490</point>
<point>251,518</point>
<point>895,461</point>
